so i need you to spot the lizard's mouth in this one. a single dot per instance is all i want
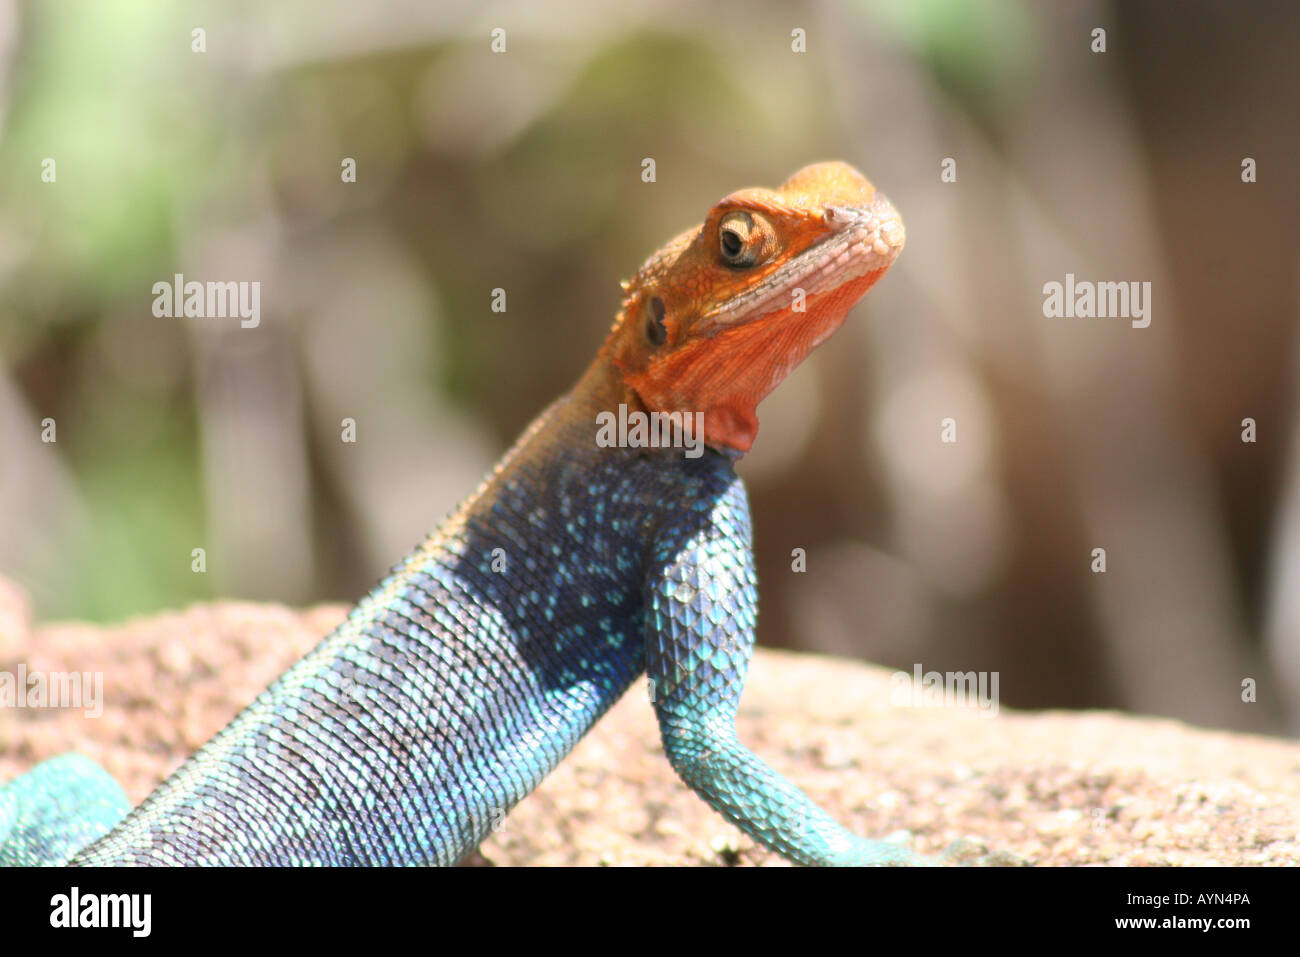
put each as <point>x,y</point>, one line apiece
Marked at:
<point>864,240</point>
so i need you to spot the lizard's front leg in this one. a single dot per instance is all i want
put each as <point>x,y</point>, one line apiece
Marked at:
<point>702,604</point>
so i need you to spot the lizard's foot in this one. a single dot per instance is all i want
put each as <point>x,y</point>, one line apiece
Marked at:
<point>888,853</point>
<point>56,809</point>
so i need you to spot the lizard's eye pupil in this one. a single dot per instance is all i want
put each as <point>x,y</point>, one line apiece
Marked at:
<point>732,244</point>
<point>655,330</point>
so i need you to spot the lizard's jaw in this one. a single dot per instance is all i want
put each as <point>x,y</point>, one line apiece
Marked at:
<point>745,346</point>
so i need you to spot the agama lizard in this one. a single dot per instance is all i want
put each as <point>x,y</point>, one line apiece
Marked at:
<point>469,672</point>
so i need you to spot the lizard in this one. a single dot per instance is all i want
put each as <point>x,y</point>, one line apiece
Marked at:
<point>475,666</point>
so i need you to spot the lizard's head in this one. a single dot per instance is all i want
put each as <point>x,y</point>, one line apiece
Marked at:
<point>718,317</point>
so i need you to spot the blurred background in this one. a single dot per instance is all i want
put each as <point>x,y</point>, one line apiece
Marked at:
<point>522,170</point>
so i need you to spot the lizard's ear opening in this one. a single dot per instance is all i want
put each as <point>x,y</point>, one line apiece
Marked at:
<point>656,332</point>
<point>639,332</point>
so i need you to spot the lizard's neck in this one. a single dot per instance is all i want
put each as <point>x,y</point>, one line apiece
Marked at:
<point>602,388</point>
<point>577,416</point>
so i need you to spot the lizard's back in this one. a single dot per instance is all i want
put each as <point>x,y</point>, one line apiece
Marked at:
<point>455,686</point>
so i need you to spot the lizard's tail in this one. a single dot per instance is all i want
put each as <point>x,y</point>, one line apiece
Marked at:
<point>57,808</point>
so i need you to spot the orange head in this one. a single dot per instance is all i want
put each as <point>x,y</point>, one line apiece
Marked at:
<point>718,317</point>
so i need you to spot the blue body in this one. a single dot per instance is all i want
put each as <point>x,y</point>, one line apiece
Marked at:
<point>466,676</point>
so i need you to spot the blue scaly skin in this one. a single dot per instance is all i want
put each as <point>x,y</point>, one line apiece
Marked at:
<point>468,673</point>
<point>57,809</point>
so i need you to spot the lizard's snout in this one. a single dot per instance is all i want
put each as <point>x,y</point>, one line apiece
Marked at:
<point>888,224</point>
<point>884,227</point>
<point>877,226</point>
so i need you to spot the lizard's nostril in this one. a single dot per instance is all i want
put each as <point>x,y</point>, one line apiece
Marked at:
<point>839,217</point>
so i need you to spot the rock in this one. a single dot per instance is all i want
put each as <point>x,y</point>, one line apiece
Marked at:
<point>1044,788</point>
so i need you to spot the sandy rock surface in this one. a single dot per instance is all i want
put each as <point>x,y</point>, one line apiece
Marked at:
<point>1043,788</point>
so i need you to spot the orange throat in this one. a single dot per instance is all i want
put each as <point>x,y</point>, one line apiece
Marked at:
<point>726,377</point>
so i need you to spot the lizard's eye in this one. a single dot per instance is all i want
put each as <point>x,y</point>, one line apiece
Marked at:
<point>743,239</point>
<point>655,330</point>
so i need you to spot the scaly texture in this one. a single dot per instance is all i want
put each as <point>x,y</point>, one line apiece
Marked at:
<point>475,667</point>
<point>57,809</point>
